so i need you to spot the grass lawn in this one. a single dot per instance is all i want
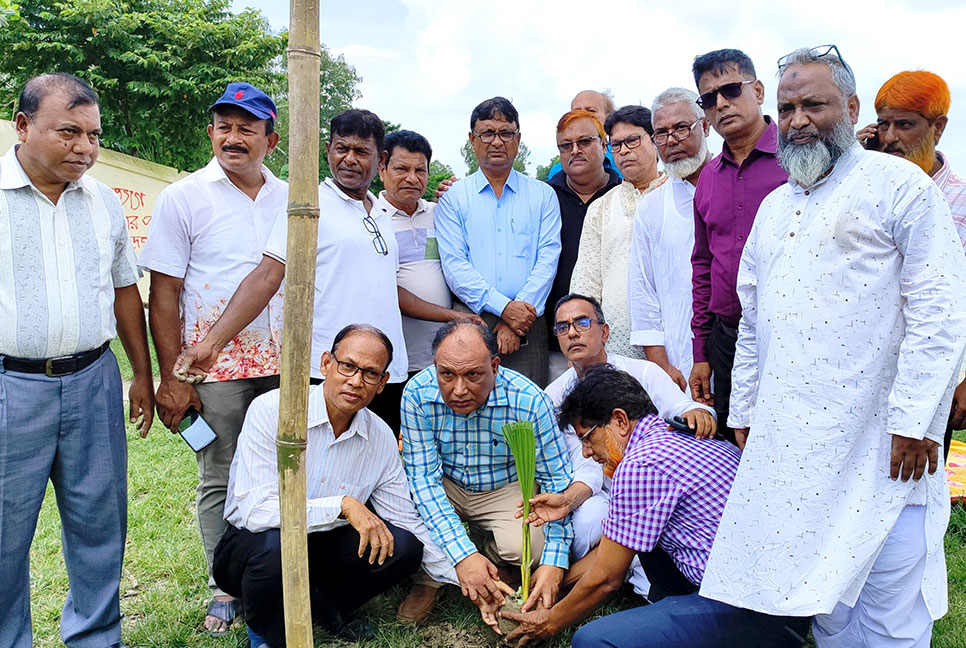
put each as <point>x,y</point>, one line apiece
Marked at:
<point>164,590</point>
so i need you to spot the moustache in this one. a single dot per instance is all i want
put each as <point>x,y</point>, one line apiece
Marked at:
<point>237,149</point>
<point>808,132</point>
<point>894,148</point>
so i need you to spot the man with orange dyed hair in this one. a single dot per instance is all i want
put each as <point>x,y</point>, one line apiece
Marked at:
<point>911,108</point>
<point>582,143</point>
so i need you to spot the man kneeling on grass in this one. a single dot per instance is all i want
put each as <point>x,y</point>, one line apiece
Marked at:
<point>351,458</point>
<point>667,495</point>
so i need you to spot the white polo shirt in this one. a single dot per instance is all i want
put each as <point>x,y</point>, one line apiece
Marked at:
<point>419,272</point>
<point>207,231</point>
<point>354,283</point>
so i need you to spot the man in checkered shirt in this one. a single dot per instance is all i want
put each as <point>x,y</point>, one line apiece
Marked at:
<point>667,495</point>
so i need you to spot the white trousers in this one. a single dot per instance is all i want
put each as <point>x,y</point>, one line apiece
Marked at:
<point>890,611</point>
<point>587,519</point>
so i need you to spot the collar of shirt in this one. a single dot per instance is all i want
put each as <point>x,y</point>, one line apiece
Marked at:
<point>213,172</point>
<point>944,171</point>
<point>334,188</point>
<point>12,175</point>
<point>481,182</point>
<point>318,415</point>
<point>767,144</point>
<point>383,203</point>
<point>498,397</point>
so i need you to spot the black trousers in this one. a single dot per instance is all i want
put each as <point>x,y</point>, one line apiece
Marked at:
<point>721,357</point>
<point>386,405</point>
<point>249,566</point>
<point>663,575</point>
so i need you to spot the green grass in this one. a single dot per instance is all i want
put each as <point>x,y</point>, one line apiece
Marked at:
<point>164,590</point>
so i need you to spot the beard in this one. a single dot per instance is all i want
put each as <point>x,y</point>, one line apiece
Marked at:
<point>685,168</point>
<point>923,156</point>
<point>807,163</point>
<point>614,456</point>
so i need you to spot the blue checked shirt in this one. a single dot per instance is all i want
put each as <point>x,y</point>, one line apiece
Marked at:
<point>470,450</point>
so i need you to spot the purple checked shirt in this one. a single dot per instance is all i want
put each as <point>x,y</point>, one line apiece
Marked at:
<point>725,202</point>
<point>669,490</point>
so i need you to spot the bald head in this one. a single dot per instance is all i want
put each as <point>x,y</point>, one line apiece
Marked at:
<point>600,104</point>
<point>466,361</point>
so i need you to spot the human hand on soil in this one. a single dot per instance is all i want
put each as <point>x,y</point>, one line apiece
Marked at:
<point>480,580</point>
<point>546,583</point>
<point>534,626</point>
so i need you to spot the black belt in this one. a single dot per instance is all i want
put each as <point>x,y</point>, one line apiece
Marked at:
<point>54,367</point>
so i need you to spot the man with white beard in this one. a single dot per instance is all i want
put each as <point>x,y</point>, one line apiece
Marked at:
<point>847,350</point>
<point>659,272</point>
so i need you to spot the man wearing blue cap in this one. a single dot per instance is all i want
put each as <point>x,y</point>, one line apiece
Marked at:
<point>207,233</point>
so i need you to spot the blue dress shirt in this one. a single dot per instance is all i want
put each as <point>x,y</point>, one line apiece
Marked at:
<point>497,250</point>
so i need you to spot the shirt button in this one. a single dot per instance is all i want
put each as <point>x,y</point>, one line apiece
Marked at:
<point>499,229</point>
<point>791,233</point>
<point>798,213</point>
<point>806,192</point>
<point>741,238</point>
<point>741,177</point>
<point>739,206</point>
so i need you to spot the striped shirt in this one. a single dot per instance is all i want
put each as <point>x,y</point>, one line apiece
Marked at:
<point>362,463</point>
<point>470,450</point>
<point>59,264</point>
<point>669,490</point>
<point>954,189</point>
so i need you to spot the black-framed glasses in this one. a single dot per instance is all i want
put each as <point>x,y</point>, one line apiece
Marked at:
<point>585,437</point>
<point>679,133</point>
<point>347,369</point>
<point>488,136</point>
<point>818,51</point>
<point>579,324</point>
<point>583,144</point>
<point>631,142</point>
<point>377,241</point>
<point>729,91</point>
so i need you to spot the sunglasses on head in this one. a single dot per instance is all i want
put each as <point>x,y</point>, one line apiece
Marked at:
<point>709,100</point>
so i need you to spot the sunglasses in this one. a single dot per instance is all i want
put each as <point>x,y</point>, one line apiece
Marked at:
<point>819,51</point>
<point>729,91</point>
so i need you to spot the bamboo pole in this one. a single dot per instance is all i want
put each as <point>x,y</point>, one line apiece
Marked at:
<point>303,223</point>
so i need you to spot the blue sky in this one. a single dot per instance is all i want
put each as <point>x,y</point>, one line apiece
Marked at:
<point>425,64</point>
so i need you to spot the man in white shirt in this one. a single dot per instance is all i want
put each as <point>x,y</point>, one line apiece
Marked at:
<point>355,271</point>
<point>659,272</point>
<point>580,327</point>
<point>208,231</point>
<point>425,301</point>
<point>354,553</point>
<point>848,347</point>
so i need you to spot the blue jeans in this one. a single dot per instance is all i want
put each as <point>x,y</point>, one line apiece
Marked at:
<point>70,431</point>
<point>691,622</point>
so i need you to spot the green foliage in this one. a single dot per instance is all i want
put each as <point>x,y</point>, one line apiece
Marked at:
<point>543,172</point>
<point>8,11</point>
<point>438,171</point>
<point>472,164</point>
<point>157,65</point>
<point>377,185</point>
<point>523,445</point>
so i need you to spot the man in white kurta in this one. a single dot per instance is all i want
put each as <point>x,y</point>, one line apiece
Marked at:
<point>849,342</point>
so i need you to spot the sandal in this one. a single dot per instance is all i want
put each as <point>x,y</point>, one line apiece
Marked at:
<point>224,611</point>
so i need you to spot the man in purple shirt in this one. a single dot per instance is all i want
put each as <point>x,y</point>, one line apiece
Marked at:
<point>667,496</point>
<point>729,190</point>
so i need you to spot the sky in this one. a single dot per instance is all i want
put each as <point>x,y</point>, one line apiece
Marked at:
<point>425,65</point>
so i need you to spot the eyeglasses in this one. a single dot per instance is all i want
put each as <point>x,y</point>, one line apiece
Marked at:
<point>488,136</point>
<point>377,241</point>
<point>729,91</point>
<point>678,133</point>
<point>583,144</point>
<point>631,142</point>
<point>579,324</point>
<point>818,51</point>
<point>369,376</point>
<point>585,437</point>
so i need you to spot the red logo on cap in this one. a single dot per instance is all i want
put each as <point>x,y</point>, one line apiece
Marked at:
<point>239,94</point>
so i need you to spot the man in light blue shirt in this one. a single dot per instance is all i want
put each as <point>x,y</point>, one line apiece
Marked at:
<point>499,240</point>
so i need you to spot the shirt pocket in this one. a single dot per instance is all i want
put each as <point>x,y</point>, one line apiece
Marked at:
<point>356,491</point>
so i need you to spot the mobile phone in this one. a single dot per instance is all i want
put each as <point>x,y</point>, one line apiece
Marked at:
<point>195,430</point>
<point>679,424</point>
<point>872,144</point>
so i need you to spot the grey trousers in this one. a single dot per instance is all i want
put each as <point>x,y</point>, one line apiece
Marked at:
<point>70,431</point>
<point>223,407</point>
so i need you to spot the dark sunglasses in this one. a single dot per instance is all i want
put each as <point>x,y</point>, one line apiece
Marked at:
<point>729,91</point>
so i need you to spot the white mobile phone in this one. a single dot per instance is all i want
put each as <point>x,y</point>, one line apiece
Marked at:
<point>198,434</point>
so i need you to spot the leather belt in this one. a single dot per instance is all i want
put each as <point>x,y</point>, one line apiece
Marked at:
<point>54,367</point>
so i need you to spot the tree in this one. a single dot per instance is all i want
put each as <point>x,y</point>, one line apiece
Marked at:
<point>543,172</point>
<point>158,65</point>
<point>472,164</point>
<point>438,171</point>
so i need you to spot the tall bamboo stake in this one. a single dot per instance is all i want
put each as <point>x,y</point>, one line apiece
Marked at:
<point>303,224</point>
